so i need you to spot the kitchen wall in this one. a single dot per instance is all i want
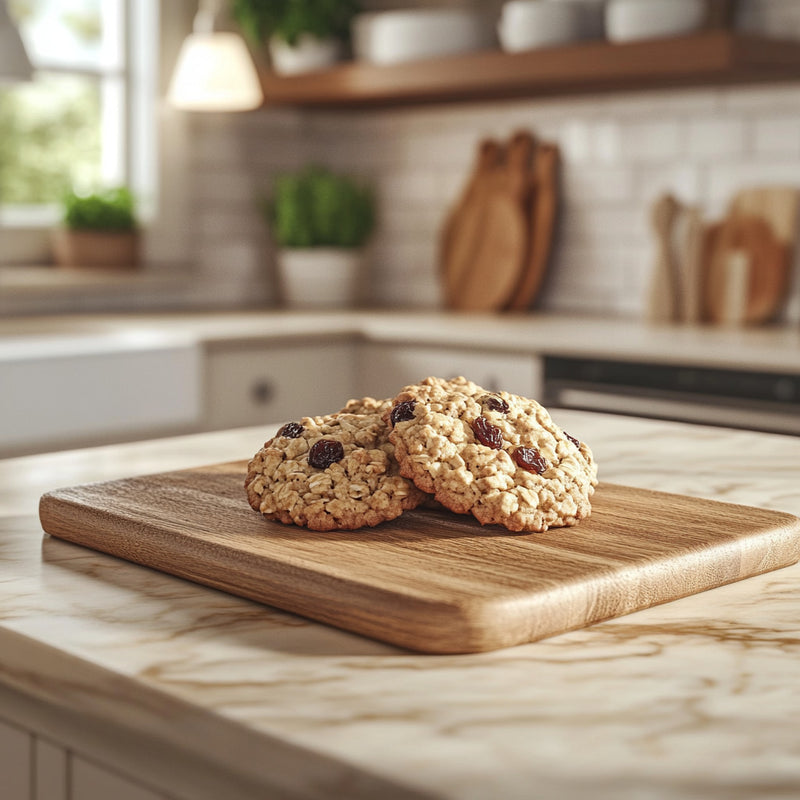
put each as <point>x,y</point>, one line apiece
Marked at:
<point>619,152</point>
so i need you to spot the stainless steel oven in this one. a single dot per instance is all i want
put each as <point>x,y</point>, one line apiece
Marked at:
<point>766,401</point>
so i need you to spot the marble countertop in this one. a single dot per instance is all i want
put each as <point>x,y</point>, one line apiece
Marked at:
<point>770,348</point>
<point>693,699</point>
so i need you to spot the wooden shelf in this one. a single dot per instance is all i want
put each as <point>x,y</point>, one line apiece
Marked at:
<point>709,59</point>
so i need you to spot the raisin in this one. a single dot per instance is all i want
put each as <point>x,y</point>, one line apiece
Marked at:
<point>573,440</point>
<point>402,411</point>
<point>325,452</point>
<point>291,430</point>
<point>487,434</point>
<point>495,403</point>
<point>530,459</point>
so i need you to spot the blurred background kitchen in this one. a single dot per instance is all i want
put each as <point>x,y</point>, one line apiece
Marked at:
<point>604,194</point>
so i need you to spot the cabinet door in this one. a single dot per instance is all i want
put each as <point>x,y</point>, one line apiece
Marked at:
<point>51,771</point>
<point>385,369</point>
<point>259,384</point>
<point>15,763</point>
<point>89,781</point>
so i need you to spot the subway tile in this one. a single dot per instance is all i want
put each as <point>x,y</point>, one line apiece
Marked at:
<point>649,103</point>
<point>715,138</point>
<point>762,98</point>
<point>406,186</point>
<point>685,181</point>
<point>653,141</point>
<point>595,226</point>
<point>777,136</point>
<point>725,179</point>
<point>587,184</point>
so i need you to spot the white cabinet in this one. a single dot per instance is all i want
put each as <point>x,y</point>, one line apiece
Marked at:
<point>104,391</point>
<point>15,763</point>
<point>385,368</point>
<point>88,781</point>
<point>52,771</point>
<point>261,383</point>
<point>33,768</point>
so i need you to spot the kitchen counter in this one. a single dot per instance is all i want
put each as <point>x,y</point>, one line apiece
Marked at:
<point>767,348</point>
<point>206,696</point>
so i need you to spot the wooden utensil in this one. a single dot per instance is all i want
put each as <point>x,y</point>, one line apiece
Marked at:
<point>664,298</point>
<point>692,262</point>
<point>463,227</point>
<point>747,273</point>
<point>543,216</point>
<point>778,205</point>
<point>770,246</point>
<point>486,280</point>
<point>430,581</point>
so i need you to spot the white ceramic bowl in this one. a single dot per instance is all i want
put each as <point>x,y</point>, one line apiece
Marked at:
<point>629,20</point>
<point>392,37</point>
<point>530,24</point>
<point>591,17</point>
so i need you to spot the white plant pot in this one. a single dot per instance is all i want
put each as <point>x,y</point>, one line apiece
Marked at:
<point>320,277</point>
<point>308,55</point>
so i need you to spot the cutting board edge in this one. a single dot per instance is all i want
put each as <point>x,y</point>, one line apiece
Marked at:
<point>430,625</point>
<point>444,621</point>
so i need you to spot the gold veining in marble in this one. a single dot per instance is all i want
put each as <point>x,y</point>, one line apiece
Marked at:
<point>694,699</point>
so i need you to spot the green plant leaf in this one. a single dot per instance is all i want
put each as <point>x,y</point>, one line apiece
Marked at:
<point>113,209</point>
<point>289,19</point>
<point>317,208</point>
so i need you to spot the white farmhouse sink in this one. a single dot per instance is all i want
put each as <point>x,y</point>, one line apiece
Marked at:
<point>59,391</point>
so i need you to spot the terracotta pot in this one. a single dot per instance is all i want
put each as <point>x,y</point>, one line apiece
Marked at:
<point>320,277</point>
<point>106,249</point>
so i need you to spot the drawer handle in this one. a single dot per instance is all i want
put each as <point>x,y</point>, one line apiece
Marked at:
<point>262,392</point>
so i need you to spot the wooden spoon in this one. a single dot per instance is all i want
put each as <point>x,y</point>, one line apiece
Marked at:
<point>663,302</point>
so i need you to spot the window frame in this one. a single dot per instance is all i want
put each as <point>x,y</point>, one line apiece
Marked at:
<point>25,231</point>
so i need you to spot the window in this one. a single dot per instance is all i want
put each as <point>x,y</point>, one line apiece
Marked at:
<point>87,120</point>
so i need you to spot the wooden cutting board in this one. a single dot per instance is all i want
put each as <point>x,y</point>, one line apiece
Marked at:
<point>753,249</point>
<point>430,580</point>
<point>463,228</point>
<point>485,238</point>
<point>543,215</point>
<point>500,254</point>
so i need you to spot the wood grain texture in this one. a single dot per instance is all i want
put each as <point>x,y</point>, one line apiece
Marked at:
<point>709,58</point>
<point>542,214</point>
<point>485,241</point>
<point>428,581</point>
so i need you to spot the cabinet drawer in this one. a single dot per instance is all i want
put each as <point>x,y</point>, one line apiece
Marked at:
<point>385,369</point>
<point>259,384</point>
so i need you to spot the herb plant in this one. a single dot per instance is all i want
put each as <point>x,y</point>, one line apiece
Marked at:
<point>317,208</point>
<point>288,19</point>
<point>111,210</point>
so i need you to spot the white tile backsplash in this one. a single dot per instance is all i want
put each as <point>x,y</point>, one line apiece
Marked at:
<point>619,152</point>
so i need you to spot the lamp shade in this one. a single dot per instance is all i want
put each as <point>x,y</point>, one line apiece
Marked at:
<point>215,73</point>
<point>14,62</point>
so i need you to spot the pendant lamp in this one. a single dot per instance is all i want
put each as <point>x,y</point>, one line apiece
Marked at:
<point>214,71</point>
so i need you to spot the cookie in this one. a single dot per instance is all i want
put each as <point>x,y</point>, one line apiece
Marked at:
<point>334,472</point>
<point>495,455</point>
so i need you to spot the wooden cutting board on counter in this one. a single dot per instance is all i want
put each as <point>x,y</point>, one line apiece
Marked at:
<point>431,580</point>
<point>485,238</point>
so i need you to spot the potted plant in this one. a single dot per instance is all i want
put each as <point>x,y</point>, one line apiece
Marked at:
<point>98,230</point>
<point>321,222</point>
<point>301,35</point>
